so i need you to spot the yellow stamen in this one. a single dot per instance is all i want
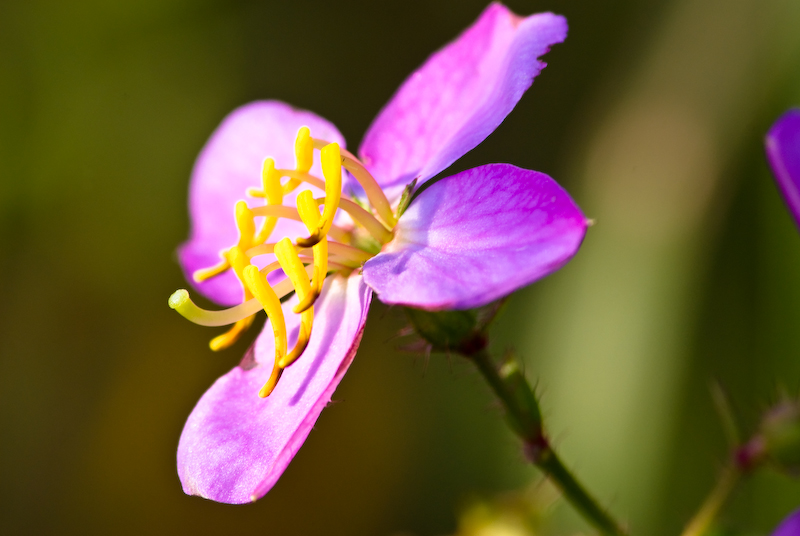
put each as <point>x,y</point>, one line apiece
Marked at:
<point>371,187</point>
<point>207,273</point>
<point>246,225</point>
<point>304,150</point>
<point>258,285</point>
<point>238,261</point>
<point>271,184</point>
<point>306,266</point>
<point>227,339</point>
<point>277,371</point>
<point>304,159</point>
<point>309,211</point>
<point>331,161</point>
<point>271,188</point>
<point>374,226</point>
<point>290,262</point>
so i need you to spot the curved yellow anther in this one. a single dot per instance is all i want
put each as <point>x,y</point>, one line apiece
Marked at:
<point>207,273</point>
<point>271,182</point>
<point>273,192</point>
<point>309,212</point>
<point>371,187</point>
<point>304,159</point>
<point>304,150</point>
<point>277,371</point>
<point>331,160</point>
<point>245,222</point>
<point>229,338</point>
<point>296,272</point>
<point>238,260</point>
<point>257,284</point>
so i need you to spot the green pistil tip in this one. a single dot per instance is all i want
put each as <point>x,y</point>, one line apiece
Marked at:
<point>178,298</point>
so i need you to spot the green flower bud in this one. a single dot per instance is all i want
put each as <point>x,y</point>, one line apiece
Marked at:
<point>528,423</point>
<point>454,331</point>
<point>779,435</point>
<point>448,330</point>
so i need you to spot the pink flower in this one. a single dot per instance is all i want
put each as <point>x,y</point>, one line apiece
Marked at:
<point>464,241</point>
<point>783,152</point>
<point>789,526</point>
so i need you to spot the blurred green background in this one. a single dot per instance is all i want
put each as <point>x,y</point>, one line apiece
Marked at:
<point>652,114</point>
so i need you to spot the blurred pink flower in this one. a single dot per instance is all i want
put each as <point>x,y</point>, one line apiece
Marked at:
<point>783,152</point>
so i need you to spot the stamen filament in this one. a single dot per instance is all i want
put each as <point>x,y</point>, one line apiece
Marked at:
<point>336,250</point>
<point>348,252</point>
<point>300,176</point>
<point>290,213</point>
<point>266,249</point>
<point>305,259</point>
<point>347,268</point>
<point>297,177</point>
<point>362,216</point>
<point>278,211</point>
<point>374,192</point>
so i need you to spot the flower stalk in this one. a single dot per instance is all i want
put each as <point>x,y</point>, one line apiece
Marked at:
<point>776,442</point>
<point>705,516</point>
<point>464,332</point>
<point>524,416</point>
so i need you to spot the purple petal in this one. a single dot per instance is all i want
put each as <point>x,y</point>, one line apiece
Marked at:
<point>474,237</point>
<point>783,152</point>
<point>459,96</point>
<point>236,445</point>
<point>789,526</point>
<point>228,165</point>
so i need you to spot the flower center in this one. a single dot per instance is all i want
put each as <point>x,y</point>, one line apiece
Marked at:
<point>306,261</point>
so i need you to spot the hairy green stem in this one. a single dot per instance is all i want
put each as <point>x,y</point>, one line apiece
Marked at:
<point>524,417</point>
